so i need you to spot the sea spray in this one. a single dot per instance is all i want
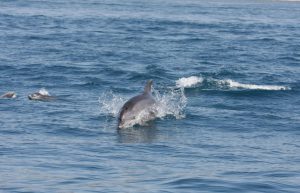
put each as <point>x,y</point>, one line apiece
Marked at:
<point>111,103</point>
<point>172,102</point>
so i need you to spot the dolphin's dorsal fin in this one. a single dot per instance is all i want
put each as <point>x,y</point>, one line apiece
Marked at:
<point>148,86</point>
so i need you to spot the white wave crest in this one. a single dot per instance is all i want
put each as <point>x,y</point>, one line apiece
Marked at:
<point>234,84</point>
<point>43,91</point>
<point>188,82</point>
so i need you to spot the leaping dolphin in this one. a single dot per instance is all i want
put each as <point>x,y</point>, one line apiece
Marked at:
<point>138,109</point>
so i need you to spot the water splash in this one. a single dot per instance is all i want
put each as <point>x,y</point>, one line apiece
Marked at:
<point>44,92</point>
<point>168,103</point>
<point>111,103</point>
<point>172,102</point>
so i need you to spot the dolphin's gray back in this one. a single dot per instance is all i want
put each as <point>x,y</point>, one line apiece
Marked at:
<point>137,104</point>
<point>143,101</point>
<point>140,102</point>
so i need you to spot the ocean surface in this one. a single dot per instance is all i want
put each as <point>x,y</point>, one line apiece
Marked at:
<point>226,75</point>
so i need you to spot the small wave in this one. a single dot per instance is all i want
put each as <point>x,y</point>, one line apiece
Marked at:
<point>43,91</point>
<point>188,82</point>
<point>171,103</point>
<point>211,83</point>
<point>234,84</point>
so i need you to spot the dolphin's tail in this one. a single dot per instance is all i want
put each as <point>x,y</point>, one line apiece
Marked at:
<point>148,86</point>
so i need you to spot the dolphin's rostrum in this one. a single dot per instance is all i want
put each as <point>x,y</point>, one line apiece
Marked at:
<point>138,110</point>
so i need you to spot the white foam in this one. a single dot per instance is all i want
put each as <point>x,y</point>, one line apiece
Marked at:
<point>234,84</point>
<point>188,82</point>
<point>43,91</point>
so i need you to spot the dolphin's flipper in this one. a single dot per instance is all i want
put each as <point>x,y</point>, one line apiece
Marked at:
<point>148,86</point>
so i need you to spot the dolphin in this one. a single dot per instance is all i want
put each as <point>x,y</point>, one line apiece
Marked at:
<point>9,95</point>
<point>138,109</point>
<point>40,95</point>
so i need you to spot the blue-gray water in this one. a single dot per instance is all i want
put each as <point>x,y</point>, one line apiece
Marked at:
<point>237,130</point>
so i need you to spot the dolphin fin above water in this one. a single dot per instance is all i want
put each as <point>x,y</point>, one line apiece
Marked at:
<point>138,109</point>
<point>148,86</point>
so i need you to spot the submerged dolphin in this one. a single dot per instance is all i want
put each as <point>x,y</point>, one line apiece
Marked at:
<point>138,109</point>
<point>40,95</point>
<point>9,95</point>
